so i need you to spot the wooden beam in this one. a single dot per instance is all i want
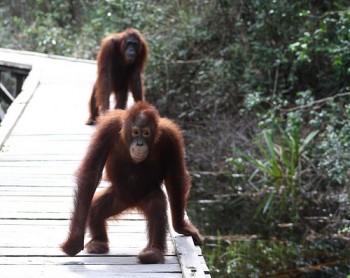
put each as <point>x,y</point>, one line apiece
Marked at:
<point>5,94</point>
<point>17,68</point>
<point>19,72</point>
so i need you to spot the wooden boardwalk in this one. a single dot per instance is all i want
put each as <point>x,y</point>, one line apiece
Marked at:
<point>42,140</point>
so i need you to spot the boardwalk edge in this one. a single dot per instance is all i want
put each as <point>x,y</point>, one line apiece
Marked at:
<point>16,109</point>
<point>188,257</point>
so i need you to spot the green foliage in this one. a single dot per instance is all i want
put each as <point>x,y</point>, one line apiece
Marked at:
<point>333,149</point>
<point>296,78</point>
<point>282,160</point>
<point>260,258</point>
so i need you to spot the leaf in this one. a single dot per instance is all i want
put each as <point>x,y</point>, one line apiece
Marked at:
<point>269,200</point>
<point>307,140</point>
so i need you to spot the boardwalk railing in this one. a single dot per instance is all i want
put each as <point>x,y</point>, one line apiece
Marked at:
<point>42,141</point>
<point>19,72</point>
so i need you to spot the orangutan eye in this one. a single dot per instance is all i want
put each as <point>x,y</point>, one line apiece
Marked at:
<point>135,132</point>
<point>146,133</point>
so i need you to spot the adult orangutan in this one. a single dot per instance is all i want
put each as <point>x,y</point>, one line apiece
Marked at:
<point>140,151</point>
<point>120,63</point>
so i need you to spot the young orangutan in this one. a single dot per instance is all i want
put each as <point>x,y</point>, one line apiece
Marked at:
<point>140,152</point>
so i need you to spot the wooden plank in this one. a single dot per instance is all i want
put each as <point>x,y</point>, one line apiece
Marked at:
<point>19,214</point>
<point>120,232</point>
<point>72,271</point>
<point>54,251</point>
<point>5,94</point>
<point>15,67</point>
<point>54,222</point>
<point>21,138</point>
<point>87,260</point>
<point>40,181</point>
<point>188,258</point>
<point>38,164</point>
<point>114,227</point>
<point>44,170</point>
<point>40,157</point>
<point>16,109</point>
<point>57,230</point>
<point>71,148</point>
<point>34,242</point>
<point>36,191</point>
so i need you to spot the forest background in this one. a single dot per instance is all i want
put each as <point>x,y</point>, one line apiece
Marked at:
<point>261,91</point>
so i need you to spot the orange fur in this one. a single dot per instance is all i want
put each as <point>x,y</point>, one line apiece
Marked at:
<point>116,75</point>
<point>133,185</point>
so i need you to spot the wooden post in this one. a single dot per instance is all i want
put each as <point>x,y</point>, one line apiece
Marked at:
<point>19,72</point>
<point>5,94</point>
<point>19,82</point>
